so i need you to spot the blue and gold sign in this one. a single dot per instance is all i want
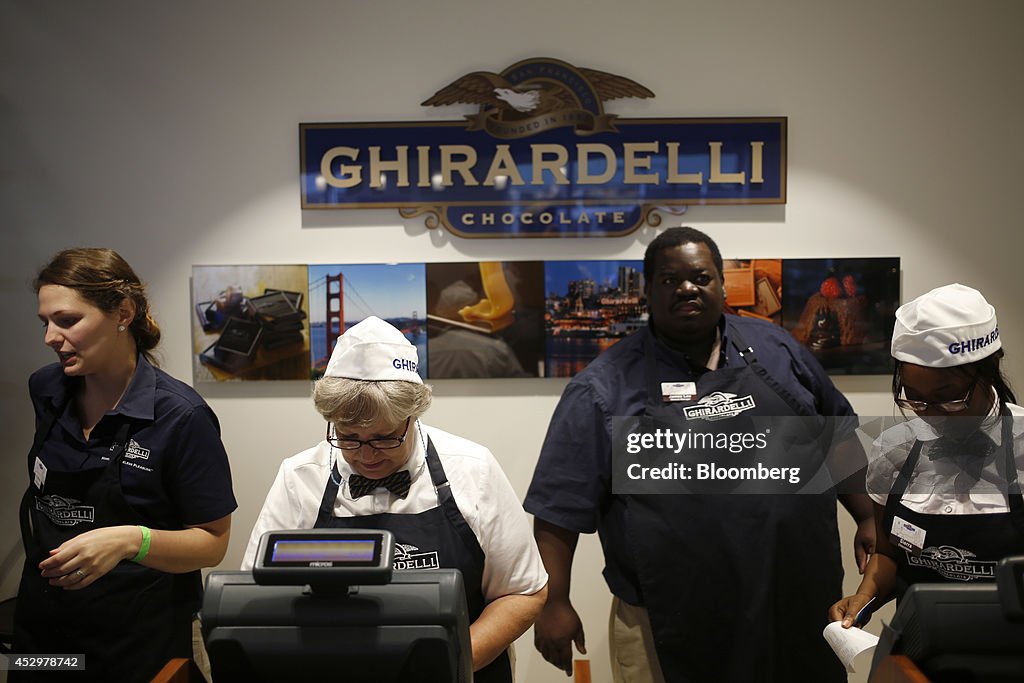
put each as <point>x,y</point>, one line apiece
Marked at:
<point>541,158</point>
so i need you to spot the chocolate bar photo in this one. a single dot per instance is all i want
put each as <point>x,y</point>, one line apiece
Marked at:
<point>250,323</point>
<point>239,337</point>
<point>275,306</point>
<point>294,297</point>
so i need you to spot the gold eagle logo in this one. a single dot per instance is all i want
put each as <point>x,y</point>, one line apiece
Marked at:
<point>536,95</point>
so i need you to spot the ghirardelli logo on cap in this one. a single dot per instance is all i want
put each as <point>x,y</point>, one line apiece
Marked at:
<point>971,345</point>
<point>404,364</point>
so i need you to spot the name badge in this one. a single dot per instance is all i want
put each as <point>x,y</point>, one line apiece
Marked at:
<point>39,474</point>
<point>678,391</point>
<point>907,536</point>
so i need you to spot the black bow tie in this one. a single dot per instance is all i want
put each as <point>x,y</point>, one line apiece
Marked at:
<point>396,482</point>
<point>978,446</point>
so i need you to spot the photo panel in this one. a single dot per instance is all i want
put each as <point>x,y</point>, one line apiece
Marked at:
<point>589,306</point>
<point>342,295</point>
<point>485,319</point>
<point>753,288</point>
<point>842,310</point>
<point>249,323</point>
<point>493,319</point>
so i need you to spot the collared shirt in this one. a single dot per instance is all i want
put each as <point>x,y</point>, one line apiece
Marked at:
<point>174,471</point>
<point>946,482</point>
<point>571,486</point>
<point>512,564</point>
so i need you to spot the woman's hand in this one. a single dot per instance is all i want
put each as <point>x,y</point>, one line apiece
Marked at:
<point>502,621</point>
<point>864,543</point>
<point>848,608</point>
<point>82,560</point>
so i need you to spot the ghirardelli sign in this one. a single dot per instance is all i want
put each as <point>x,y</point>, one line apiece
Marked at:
<point>538,156</point>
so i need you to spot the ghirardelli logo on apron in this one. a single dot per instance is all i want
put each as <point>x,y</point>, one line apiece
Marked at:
<point>65,511</point>
<point>953,563</point>
<point>405,558</point>
<point>719,405</point>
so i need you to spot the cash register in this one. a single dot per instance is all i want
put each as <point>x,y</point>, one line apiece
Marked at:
<point>325,604</point>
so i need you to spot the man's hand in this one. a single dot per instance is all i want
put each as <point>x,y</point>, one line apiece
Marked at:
<point>554,632</point>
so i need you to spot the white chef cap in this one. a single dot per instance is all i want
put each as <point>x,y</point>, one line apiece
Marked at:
<point>374,350</point>
<point>950,325</point>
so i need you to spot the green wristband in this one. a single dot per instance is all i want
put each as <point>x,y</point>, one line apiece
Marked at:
<point>144,546</point>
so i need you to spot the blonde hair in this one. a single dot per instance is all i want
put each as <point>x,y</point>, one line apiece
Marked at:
<point>360,403</point>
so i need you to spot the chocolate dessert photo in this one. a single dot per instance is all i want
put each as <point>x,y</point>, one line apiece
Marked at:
<point>842,309</point>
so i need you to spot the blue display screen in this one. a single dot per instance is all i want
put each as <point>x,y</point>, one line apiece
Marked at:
<point>344,551</point>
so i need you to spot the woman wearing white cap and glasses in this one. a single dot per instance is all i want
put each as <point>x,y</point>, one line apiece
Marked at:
<point>444,498</point>
<point>946,485</point>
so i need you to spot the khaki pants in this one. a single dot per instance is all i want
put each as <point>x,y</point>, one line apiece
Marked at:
<point>631,645</point>
<point>199,651</point>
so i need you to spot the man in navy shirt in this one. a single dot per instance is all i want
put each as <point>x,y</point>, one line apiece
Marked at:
<point>705,587</point>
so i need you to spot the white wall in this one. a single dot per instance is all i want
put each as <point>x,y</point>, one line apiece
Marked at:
<point>169,132</point>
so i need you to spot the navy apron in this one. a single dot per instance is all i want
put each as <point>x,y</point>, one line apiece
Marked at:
<point>440,537</point>
<point>738,587</point>
<point>132,620</point>
<point>959,547</point>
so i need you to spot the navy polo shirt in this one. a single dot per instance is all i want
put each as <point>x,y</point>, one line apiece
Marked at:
<point>571,485</point>
<point>174,472</point>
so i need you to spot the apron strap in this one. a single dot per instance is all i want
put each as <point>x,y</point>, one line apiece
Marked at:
<point>326,511</point>
<point>746,352</point>
<point>25,507</point>
<point>49,418</point>
<point>899,487</point>
<point>447,501</point>
<point>1014,498</point>
<point>749,356</point>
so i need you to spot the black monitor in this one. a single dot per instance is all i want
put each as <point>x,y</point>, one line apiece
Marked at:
<point>272,625</point>
<point>959,632</point>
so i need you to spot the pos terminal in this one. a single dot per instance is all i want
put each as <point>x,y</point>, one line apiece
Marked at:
<point>327,603</point>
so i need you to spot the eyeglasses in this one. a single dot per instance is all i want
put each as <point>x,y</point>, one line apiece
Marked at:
<point>945,406</point>
<point>381,444</point>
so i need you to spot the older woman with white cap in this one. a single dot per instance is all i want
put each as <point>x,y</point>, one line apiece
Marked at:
<point>945,485</point>
<point>444,498</point>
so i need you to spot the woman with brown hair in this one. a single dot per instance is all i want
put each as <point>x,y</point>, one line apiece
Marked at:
<point>129,486</point>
